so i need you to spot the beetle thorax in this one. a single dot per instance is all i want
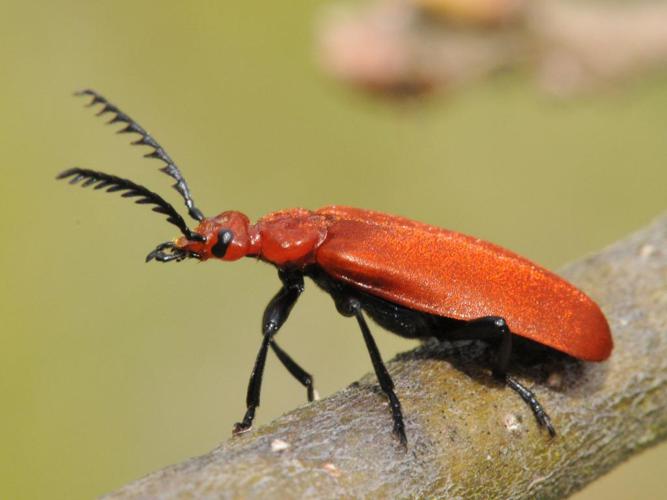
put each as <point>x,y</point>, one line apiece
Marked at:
<point>290,237</point>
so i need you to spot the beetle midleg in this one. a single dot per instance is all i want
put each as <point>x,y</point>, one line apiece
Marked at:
<point>275,315</point>
<point>490,327</point>
<point>349,306</point>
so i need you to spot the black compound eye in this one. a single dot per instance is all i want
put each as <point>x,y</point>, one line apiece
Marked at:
<point>225,237</point>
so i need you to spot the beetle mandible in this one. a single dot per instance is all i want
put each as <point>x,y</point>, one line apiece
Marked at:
<point>413,279</point>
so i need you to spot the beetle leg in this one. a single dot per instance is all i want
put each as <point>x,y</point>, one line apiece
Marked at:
<point>352,307</point>
<point>528,396</point>
<point>294,280</point>
<point>275,315</point>
<point>305,378</point>
<point>490,327</point>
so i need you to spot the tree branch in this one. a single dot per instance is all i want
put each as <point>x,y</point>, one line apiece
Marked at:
<point>468,436</point>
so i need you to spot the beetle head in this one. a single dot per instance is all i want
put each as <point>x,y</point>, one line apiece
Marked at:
<point>223,237</point>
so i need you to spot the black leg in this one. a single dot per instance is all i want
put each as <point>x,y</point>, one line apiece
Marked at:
<point>305,378</point>
<point>275,315</point>
<point>532,401</point>
<point>352,307</point>
<point>293,281</point>
<point>494,327</point>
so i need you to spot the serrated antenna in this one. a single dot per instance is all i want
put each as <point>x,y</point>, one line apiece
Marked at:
<point>146,139</point>
<point>144,196</point>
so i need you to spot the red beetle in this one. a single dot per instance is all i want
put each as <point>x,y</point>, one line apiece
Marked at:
<point>415,280</point>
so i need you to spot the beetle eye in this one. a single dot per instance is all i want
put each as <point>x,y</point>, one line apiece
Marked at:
<point>225,237</point>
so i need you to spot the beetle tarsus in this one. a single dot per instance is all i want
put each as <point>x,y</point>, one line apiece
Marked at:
<point>246,424</point>
<point>527,395</point>
<point>399,426</point>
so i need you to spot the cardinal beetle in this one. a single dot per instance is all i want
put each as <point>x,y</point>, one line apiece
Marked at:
<point>413,279</point>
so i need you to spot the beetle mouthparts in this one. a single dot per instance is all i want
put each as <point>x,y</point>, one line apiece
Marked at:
<point>166,252</point>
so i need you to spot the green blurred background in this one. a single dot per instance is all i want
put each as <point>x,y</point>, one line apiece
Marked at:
<point>111,368</point>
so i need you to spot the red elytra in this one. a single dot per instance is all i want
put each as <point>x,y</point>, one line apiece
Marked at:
<point>451,274</point>
<point>414,279</point>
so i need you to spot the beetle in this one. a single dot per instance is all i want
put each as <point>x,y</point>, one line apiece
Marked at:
<point>413,279</point>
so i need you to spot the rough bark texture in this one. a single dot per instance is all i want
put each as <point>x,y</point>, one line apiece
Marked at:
<point>469,437</point>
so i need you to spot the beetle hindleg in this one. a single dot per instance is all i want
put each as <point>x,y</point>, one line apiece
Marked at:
<point>490,327</point>
<point>528,396</point>
<point>275,315</point>
<point>352,307</point>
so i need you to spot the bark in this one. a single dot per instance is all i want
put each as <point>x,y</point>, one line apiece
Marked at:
<point>469,437</point>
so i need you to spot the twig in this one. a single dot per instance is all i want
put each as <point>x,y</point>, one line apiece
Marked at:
<point>468,437</point>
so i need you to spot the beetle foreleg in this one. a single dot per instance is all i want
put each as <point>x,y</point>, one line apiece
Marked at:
<point>305,378</point>
<point>294,280</point>
<point>275,315</point>
<point>490,327</point>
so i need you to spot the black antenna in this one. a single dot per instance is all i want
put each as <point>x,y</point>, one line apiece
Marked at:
<point>112,184</point>
<point>146,139</point>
